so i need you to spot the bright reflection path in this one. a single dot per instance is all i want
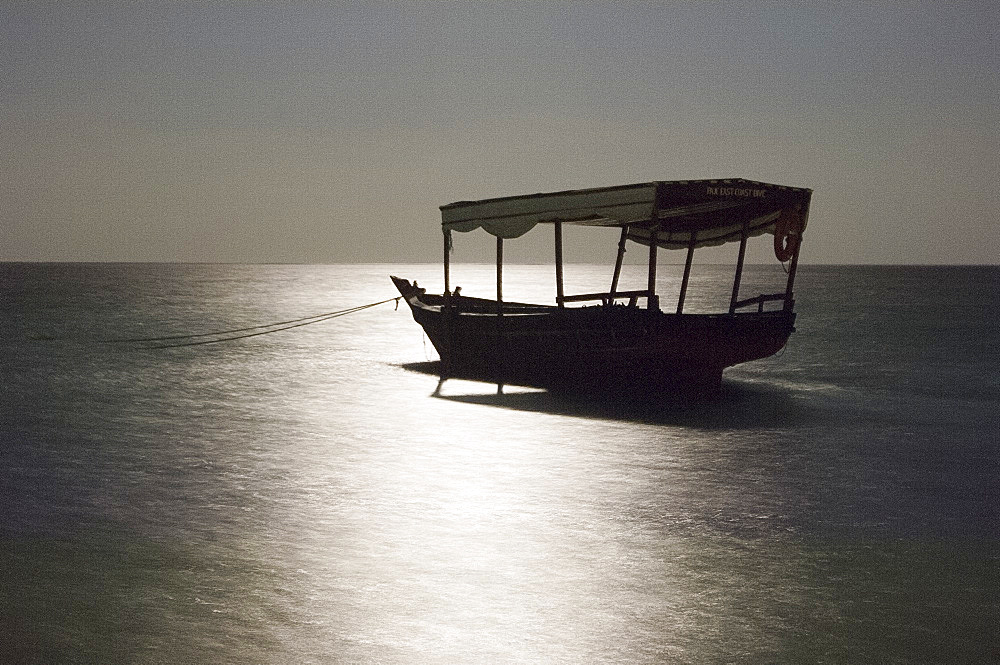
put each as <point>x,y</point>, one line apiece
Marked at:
<point>467,539</point>
<point>427,528</point>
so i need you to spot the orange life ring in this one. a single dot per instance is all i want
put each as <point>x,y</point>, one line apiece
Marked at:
<point>786,234</point>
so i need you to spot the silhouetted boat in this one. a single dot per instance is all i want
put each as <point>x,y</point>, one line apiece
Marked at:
<point>617,345</point>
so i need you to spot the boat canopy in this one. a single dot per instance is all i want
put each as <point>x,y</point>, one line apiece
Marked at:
<point>677,214</point>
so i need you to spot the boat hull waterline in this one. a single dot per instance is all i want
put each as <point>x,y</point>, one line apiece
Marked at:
<point>614,349</point>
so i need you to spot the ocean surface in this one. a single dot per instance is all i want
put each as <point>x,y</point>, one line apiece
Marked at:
<point>306,497</point>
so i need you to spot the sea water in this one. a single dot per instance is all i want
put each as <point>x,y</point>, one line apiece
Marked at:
<point>307,497</point>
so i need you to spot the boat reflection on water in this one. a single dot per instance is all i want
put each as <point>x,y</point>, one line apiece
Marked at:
<point>745,403</point>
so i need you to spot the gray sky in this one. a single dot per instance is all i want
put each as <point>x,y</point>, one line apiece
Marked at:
<point>330,132</point>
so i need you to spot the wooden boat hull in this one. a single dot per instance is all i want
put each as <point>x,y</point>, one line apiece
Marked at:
<point>616,349</point>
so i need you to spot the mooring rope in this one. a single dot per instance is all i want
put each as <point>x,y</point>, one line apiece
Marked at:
<point>210,334</point>
<point>284,325</point>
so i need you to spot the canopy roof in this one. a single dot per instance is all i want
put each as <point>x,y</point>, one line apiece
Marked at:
<point>707,212</point>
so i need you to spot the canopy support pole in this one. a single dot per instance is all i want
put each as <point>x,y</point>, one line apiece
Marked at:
<point>618,263</point>
<point>559,264</point>
<point>687,272</point>
<point>446,311</point>
<point>789,299</point>
<point>501,350</point>
<point>499,276</point>
<point>739,269</point>
<point>651,300</point>
<point>447,264</point>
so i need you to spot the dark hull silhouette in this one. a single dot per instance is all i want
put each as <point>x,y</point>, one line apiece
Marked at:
<point>613,349</point>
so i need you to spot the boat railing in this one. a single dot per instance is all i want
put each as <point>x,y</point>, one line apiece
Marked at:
<point>759,301</point>
<point>471,305</point>
<point>606,298</point>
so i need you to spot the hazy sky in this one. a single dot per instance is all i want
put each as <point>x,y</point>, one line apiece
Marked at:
<point>329,132</point>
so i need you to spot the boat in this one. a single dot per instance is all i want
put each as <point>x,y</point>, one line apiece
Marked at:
<point>618,341</point>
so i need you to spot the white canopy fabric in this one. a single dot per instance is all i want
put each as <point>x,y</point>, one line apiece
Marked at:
<point>705,212</point>
<point>514,216</point>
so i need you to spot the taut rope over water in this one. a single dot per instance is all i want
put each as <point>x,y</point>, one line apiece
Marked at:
<point>284,325</point>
